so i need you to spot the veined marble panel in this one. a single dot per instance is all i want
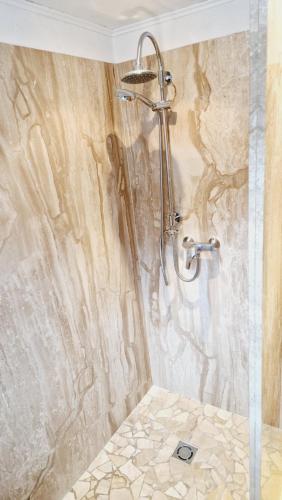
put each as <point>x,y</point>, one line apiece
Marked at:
<point>272,339</point>
<point>73,352</point>
<point>198,332</point>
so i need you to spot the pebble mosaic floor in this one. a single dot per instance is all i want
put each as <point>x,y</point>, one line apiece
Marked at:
<point>137,462</point>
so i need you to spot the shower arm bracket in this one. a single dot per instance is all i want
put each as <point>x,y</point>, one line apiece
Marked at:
<point>158,106</point>
<point>194,248</point>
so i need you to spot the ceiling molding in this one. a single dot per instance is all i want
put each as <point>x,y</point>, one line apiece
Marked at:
<point>57,15</point>
<point>194,24</point>
<point>31,25</point>
<point>168,16</point>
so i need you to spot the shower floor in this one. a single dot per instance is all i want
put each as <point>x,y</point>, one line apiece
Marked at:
<point>137,461</point>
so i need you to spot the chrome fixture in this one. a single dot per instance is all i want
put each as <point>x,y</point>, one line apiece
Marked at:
<point>128,95</point>
<point>194,250</point>
<point>139,75</point>
<point>198,246</point>
<point>125,95</point>
<point>169,222</point>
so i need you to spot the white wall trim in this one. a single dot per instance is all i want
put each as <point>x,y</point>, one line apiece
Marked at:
<point>57,15</point>
<point>214,19</point>
<point>169,16</point>
<point>32,25</point>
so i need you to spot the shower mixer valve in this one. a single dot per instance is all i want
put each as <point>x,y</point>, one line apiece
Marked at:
<point>194,248</point>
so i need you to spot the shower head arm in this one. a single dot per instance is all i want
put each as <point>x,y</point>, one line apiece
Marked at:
<point>145,100</point>
<point>151,37</point>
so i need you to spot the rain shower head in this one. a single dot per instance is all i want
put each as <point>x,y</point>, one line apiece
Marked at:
<point>139,75</point>
<point>143,75</point>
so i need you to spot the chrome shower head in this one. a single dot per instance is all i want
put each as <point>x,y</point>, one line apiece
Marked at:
<point>139,75</point>
<point>128,96</point>
<point>125,95</point>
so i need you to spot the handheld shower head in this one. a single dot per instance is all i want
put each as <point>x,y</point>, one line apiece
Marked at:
<point>125,95</point>
<point>128,95</point>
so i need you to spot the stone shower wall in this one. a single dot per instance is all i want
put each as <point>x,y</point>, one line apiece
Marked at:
<point>79,201</point>
<point>198,332</point>
<point>272,339</point>
<point>73,356</point>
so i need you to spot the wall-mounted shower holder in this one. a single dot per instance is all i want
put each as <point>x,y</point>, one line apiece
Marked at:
<point>194,248</point>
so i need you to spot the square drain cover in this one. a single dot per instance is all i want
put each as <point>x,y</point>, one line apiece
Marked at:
<point>184,452</point>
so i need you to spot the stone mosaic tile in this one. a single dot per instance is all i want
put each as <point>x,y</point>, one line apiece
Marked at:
<point>137,461</point>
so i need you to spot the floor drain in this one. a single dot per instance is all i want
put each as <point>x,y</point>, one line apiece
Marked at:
<point>184,452</point>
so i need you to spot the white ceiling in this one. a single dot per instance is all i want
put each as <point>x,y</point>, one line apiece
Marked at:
<point>115,13</point>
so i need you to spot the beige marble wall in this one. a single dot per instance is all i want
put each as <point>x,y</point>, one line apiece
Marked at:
<point>272,341</point>
<point>73,352</point>
<point>79,212</point>
<point>198,332</point>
